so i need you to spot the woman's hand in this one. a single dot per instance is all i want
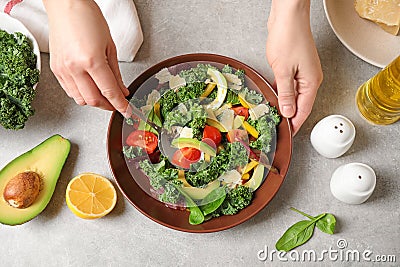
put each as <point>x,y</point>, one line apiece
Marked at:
<point>83,56</point>
<point>294,60</point>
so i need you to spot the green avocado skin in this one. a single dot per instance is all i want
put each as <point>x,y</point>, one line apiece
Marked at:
<point>46,159</point>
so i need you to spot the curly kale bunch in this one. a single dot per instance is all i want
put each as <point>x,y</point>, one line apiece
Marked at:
<point>197,74</point>
<point>190,91</point>
<point>233,156</point>
<point>18,74</point>
<point>236,200</point>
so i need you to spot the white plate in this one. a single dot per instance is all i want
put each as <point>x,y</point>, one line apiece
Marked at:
<point>362,37</point>
<point>10,24</point>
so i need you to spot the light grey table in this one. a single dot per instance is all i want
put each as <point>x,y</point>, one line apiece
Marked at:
<point>127,238</point>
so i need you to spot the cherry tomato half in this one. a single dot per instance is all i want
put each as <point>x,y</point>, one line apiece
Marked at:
<point>186,156</point>
<point>144,139</point>
<point>212,133</point>
<point>241,111</point>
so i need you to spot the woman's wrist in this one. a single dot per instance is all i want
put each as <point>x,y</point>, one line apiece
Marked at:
<point>295,6</point>
<point>289,12</point>
<point>60,6</point>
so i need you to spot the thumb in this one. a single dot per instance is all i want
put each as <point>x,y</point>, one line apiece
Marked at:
<point>286,94</point>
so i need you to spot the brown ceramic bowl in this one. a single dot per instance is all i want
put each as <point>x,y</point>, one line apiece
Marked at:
<point>178,219</point>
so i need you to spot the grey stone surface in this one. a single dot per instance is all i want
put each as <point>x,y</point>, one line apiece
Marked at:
<point>127,238</point>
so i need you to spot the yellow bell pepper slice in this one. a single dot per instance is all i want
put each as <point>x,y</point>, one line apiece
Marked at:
<point>251,165</point>
<point>245,176</point>
<point>244,103</point>
<point>157,110</point>
<point>210,87</point>
<point>250,129</point>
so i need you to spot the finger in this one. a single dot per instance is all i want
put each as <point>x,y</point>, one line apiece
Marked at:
<point>286,93</point>
<point>305,102</point>
<point>113,62</point>
<point>105,80</point>
<point>66,81</point>
<point>69,86</point>
<point>63,85</point>
<point>90,92</point>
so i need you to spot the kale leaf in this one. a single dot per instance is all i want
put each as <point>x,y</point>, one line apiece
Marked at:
<point>227,69</point>
<point>274,115</point>
<point>191,91</point>
<point>157,173</point>
<point>236,200</point>
<point>251,96</point>
<point>233,156</point>
<point>191,113</point>
<point>132,152</point>
<point>217,167</point>
<point>239,155</point>
<point>171,193</point>
<point>197,74</point>
<point>266,128</point>
<point>167,102</point>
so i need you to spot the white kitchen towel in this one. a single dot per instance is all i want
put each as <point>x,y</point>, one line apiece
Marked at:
<point>121,16</point>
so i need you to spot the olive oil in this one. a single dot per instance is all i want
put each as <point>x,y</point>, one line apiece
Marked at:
<point>378,99</point>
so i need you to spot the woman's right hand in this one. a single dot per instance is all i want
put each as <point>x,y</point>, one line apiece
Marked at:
<point>83,56</point>
<point>294,60</point>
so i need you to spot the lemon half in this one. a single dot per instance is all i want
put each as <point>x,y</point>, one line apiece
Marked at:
<point>90,196</point>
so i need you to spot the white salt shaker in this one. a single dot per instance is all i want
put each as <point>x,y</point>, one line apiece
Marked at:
<point>353,183</point>
<point>333,136</point>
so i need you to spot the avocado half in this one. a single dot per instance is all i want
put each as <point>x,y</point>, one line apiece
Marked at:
<point>47,159</point>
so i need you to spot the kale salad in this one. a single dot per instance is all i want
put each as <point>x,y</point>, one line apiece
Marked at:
<point>18,75</point>
<point>221,139</point>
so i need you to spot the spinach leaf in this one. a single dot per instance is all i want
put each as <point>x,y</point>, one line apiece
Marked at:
<point>326,224</point>
<point>196,215</point>
<point>213,200</point>
<point>297,234</point>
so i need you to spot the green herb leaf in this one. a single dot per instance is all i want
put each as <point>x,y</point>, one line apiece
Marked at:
<point>213,200</point>
<point>327,224</point>
<point>297,234</point>
<point>196,215</point>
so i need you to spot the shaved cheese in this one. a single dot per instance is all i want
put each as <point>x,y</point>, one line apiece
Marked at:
<point>232,78</point>
<point>163,75</point>
<point>176,82</point>
<point>386,13</point>
<point>226,119</point>
<point>153,97</point>
<point>231,178</point>
<point>258,111</point>
<point>186,132</point>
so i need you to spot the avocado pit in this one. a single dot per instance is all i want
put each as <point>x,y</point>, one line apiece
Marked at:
<point>22,190</point>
